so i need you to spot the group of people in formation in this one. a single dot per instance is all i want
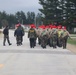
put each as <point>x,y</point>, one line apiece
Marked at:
<point>47,35</point>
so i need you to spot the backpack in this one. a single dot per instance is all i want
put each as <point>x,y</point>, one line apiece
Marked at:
<point>5,31</point>
<point>32,33</point>
<point>43,33</point>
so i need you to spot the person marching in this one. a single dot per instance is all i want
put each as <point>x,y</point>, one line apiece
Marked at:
<point>40,30</point>
<point>54,36</point>
<point>18,33</point>
<point>65,36</point>
<point>6,35</point>
<point>50,36</point>
<point>59,39</point>
<point>23,32</point>
<point>44,38</point>
<point>32,35</point>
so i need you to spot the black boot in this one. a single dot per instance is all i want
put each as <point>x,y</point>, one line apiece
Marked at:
<point>10,44</point>
<point>4,45</point>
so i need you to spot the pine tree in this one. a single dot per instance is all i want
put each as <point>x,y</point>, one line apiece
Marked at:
<point>50,10</point>
<point>68,12</point>
<point>59,11</point>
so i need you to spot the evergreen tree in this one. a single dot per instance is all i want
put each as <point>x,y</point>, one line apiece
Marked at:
<point>30,17</point>
<point>38,19</point>
<point>59,11</point>
<point>50,10</point>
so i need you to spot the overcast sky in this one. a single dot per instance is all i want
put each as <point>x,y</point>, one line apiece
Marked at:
<point>12,6</point>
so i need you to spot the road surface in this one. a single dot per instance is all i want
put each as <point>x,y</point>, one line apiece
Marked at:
<point>22,60</point>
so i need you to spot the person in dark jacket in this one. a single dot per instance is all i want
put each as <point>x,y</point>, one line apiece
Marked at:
<point>6,35</point>
<point>18,34</point>
<point>23,32</point>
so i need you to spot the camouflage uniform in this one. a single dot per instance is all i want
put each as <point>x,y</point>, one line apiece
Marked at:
<point>32,35</point>
<point>50,38</point>
<point>23,33</point>
<point>54,37</point>
<point>59,39</point>
<point>44,39</point>
<point>39,35</point>
<point>64,38</point>
<point>18,33</point>
<point>47,34</point>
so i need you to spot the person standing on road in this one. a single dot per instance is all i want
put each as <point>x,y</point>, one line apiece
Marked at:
<point>6,35</point>
<point>54,36</point>
<point>23,32</point>
<point>44,38</point>
<point>65,36</point>
<point>18,34</point>
<point>32,35</point>
<point>59,39</point>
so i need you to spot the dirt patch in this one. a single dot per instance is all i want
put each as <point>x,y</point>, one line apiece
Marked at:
<point>72,48</point>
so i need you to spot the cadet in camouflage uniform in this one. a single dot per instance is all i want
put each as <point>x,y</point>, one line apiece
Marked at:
<point>50,36</point>
<point>32,35</point>
<point>18,34</point>
<point>65,36</point>
<point>47,34</point>
<point>23,33</point>
<point>44,39</point>
<point>39,31</point>
<point>54,36</point>
<point>59,39</point>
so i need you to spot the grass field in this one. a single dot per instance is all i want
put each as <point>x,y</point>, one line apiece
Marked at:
<point>72,41</point>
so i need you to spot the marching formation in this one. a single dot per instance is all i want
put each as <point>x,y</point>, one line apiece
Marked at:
<point>47,35</point>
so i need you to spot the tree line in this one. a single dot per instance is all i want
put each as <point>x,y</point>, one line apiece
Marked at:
<point>59,12</point>
<point>52,12</point>
<point>19,17</point>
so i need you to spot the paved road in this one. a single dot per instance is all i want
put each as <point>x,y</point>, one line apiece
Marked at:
<point>22,60</point>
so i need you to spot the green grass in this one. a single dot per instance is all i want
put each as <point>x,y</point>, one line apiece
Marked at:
<point>72,41</point>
